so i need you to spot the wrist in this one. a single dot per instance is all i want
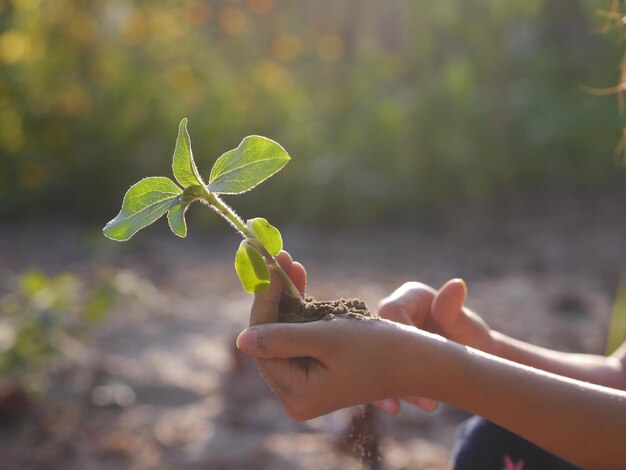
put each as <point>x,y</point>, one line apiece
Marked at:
<point>431,365</point>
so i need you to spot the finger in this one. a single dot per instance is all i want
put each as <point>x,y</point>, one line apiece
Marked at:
<point>394,311</point>
<point>283,340</point>
<point>427,404</point>
<point>409,304</point>
<point>285,261</point>
<point>265,305</point>
<point>448,303</point>
<point>298,276</point>
<point>390,406</point>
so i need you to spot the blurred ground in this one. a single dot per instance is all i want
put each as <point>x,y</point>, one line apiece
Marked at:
<point>160,386</point>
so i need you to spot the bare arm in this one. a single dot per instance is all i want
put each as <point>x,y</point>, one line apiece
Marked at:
<point>578,421</point>
<point>358,362</point>
<point>608,371</point>
<point>443,312</point>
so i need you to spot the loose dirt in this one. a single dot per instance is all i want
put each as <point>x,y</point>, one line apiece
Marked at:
<point>292,311</point>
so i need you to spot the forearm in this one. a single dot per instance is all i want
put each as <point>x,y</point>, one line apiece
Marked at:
<point>607,371</point>
<point>577,421</point>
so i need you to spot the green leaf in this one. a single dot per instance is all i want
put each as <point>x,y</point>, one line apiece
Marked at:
<point>143,203</point>
<point>176,215</point>
<point>252,162</point>
<point>176,220</point>
<point>183,165</point>
<point>268,235</point>
<point>251,269</point>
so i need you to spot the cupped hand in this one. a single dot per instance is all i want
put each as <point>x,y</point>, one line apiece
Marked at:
<point>348,362</point>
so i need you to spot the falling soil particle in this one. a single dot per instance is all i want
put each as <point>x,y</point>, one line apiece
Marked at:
<point>362,438</point>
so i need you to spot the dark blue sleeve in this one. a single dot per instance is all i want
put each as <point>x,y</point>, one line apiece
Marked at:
<point>483,445</point>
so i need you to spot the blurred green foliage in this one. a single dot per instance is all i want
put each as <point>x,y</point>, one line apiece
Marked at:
<point>617,328</point>
<point>386,107</point>
<point>41,315</point>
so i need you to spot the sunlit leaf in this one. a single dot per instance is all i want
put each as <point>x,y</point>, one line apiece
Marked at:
<point>144,203</point>
<point>183,165</point>
<point>252,162</point>
<point>251,269</point>
<point>176,220</point>
<point>267,234</point>
<point>176,215</point>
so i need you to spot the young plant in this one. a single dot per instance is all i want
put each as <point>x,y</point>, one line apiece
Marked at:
<point>237,171</point>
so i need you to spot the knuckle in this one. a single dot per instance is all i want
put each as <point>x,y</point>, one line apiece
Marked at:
<point>394,311</point>
<point>388,308</point>
<point>269,341</point>
<point>261,342</point>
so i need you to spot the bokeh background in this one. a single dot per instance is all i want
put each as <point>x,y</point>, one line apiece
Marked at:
<point>428,140</point>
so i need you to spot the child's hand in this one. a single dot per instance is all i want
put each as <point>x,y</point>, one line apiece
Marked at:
<point>348,362</point>
<point>439,312</point>
<point>336,353</point>
<point>318,367</point>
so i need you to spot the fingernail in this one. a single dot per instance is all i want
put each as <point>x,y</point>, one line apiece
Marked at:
<point>461,281</point>
<point>246,341</point>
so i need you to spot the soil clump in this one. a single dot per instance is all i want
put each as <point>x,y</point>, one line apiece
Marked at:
<point>292,311</point>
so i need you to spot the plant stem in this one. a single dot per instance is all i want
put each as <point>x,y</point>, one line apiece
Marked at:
<point>231,216</point>
<point>273,262</point>
<point>225,211</point>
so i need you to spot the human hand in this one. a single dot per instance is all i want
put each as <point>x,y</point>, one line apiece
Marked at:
<point>349,362</point>
<point>440,312</point>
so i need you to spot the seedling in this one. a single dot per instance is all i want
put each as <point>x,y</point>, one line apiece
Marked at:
<point>235,172</point>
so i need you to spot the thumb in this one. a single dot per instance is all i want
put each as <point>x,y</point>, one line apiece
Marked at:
<point>280,340</point>
<point>265,305</point>
<point>448,303</point>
